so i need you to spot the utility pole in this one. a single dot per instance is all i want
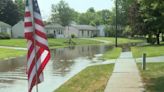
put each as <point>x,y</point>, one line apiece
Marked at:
<point>116,25</point>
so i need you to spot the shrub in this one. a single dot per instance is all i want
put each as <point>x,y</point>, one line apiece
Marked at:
<point>50,36</point>
<point>4,36</point>
<point>151,40</point>
<point>73,35</point>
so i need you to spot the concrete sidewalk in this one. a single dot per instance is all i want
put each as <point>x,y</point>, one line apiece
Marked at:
<point>125,76</point>
<point>16,48</point>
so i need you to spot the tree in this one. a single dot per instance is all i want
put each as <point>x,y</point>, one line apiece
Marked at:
<point>88,17</point>
<point>135,21</point>
<point>91,9</point>
<point>91,17</point>
<point>105,16</point>
<point>8,12</point>
<point>21,8</point>
<point>62,13</point>
<point>153,16</point>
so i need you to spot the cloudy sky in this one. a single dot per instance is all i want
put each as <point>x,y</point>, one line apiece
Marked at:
<point>78,5</point>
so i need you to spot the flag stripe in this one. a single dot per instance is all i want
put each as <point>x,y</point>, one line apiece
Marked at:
<point>37,44</point>
<point>27,14</point>
<point>28,24</point>
<point>39,22</point>
<point>41,34</point>
<point>40,67</point>
<point>33,62</point>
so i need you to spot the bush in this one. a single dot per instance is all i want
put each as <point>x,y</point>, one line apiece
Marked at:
<point>4,36</point>
<point>163,38</point>
<point>50,36</point>
<point>151,40</point>
<point>73,35</point>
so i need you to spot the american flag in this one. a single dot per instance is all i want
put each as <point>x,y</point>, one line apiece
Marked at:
<point>38,52</point>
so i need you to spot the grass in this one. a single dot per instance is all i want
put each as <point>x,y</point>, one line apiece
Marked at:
<point>112,54</point>
<point>52,42</point>
<point>150,50</point>
<point>92,79</point>
<point>153,77</point>
<point>13,42</point>
<point>61,41</point>
<point>6,53</point>
<point>120,40</point>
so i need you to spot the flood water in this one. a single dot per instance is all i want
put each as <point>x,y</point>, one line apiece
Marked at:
<point>64,64</point>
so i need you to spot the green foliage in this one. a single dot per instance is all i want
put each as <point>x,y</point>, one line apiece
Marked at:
<point>50,35</point>
<point>109,31</point>
<point>91,79</point>
<point>127,31</point>
<point>91,17</point>
<point>8,12</point>
<point>73,35</point>
<point>21,8</point>
<point>4,36</point>
<point>152,15</point>
<point>62,13</point>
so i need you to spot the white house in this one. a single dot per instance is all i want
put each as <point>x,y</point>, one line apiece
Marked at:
<point>86,31</point>
<point>80,31</point>
<point>70,30</point>
<point>55,30</point>
<point>18,30</point>
<point>101,31</point>
<point>5,28</point>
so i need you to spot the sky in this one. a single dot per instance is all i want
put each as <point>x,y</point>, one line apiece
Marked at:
<point>77,5</point>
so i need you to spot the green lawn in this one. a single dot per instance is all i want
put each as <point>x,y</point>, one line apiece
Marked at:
<point>61,42</point>
<point>120,40</point>
<point>6,53</point>
<point>112,54</point>
<point>13,42</point>
<point>153,77</point>
<point>52,42</point>
<point>151,51</point>
<point>92,79</point>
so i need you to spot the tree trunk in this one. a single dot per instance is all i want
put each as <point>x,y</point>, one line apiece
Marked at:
<point>157,37</point>
<point>163,37</point>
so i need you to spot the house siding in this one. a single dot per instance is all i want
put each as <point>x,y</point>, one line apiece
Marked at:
<point>18,30</point>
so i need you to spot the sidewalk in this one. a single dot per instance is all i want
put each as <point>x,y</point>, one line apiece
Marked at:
<point>125,76</point>
<point>16,48</point>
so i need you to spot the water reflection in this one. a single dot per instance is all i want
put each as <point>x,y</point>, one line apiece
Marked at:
<point>64,64</point>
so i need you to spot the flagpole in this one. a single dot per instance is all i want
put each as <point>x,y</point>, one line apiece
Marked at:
<point>116,44</point>
<point>35,58</point>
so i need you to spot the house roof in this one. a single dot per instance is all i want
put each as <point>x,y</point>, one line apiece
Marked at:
<point>54,26</point>
<point>85,27</point>
<point>2,24</point>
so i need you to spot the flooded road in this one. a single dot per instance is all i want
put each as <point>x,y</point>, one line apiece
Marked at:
<point>64,64</point>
